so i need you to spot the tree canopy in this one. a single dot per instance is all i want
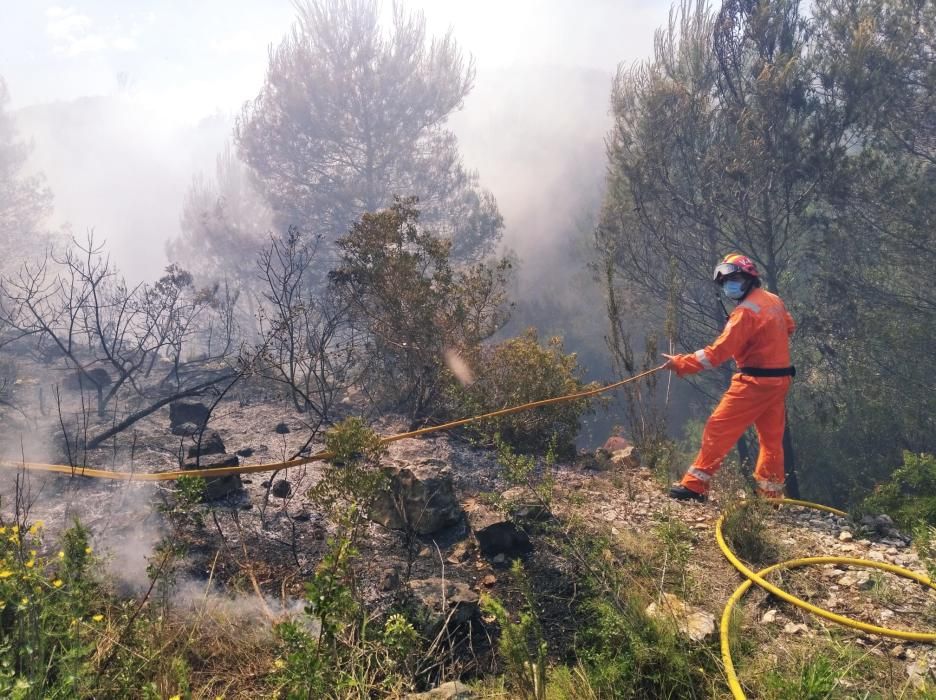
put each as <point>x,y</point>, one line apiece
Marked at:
<point>352,115</point>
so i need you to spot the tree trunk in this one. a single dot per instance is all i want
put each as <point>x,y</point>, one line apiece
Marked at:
<point>789,464</point>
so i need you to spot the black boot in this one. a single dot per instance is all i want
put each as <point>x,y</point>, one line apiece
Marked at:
<point>681,493</point>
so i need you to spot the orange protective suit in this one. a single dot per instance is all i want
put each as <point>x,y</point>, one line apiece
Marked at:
<point>757,335</point>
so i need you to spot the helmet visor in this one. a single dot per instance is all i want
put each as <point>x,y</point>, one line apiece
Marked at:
<point>723,270</point>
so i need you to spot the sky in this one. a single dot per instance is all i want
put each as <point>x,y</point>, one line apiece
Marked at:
<point>126,100</point>
<point>190,58</point>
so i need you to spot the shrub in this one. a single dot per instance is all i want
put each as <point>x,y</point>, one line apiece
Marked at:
<point>518,371</point>
<point>48,624</point>
<point>910,495</point>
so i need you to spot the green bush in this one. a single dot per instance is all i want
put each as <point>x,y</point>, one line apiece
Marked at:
<point>518,371</point>
<point>910,495</point>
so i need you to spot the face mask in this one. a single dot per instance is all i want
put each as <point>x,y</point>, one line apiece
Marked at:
<point>733,289</point>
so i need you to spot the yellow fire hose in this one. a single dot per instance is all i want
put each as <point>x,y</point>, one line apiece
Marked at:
<point>751,576</point>
<point>758,578</point>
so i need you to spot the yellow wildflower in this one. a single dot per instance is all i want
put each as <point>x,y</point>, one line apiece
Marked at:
<point>176,697</point>
<point>61,554</point>
<point>88,550</point>
<point>57,583</point>
<point>6,573</point>
<point>30,563</point>
<point>36,526</point>
<point>98,617</point>
<point>2,530</point>
<point>279,663</point>
<point>24,601</point>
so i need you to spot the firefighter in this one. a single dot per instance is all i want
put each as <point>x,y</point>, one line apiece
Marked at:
<point>757,336</point>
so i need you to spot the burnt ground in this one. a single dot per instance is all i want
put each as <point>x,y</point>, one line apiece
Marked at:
<point>254,536</point>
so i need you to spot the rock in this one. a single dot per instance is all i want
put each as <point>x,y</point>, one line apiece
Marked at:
<point>884,521</point>
<point>390,579</point>
<point>211,444</point>
<point>187,412</point>
<point>184,429</point>
<point>898,652</point>
<point>461,551</point>
<point>856,579</point>
<point>245,452</point>
<point>628,458</point>
<point>90,381</point>
<point>793,628</point>
<point>531,513</point>
<point>441,603</point>
<point>420,496</point>
<point>501,537</point>
<point>769,616</point>
<point>846,536</point>
<point>282,429</point>
<point>499,559</point>
<point>690,621</point>
<point>917,673</point>
<point>281,488</point>
<point>453,690</point>
<point>489,580</point>
<point>219,487</point>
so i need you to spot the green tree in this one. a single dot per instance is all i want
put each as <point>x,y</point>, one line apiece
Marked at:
<point>352,115</point>
<point>418,311</point>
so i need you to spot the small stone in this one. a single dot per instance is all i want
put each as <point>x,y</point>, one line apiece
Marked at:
<point>499,559</point>
<point>898,652</point>
<point>390,580</point>
<point>846,536</point>
<point>794,628</point>
<point>770,616</point>
<point>893,551</point>
<point>489,580</point>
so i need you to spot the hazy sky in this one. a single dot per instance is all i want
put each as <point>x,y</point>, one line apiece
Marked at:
<point>189,58</point>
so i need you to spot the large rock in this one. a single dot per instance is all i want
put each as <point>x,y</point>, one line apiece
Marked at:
<point>220,487</point>
<point>97,377</point>
<point>453,690</point>
<point>420,496</point>
<point>211,444</point>
<point>439,603</point>
<point>187,412</point>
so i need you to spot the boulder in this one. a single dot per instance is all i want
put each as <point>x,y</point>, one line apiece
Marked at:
<point>220,487</point>
<point>690,621</point>
<point>439,603</point>
<point>97,377</point>
<point>187,412</point>
<point>453,690</point>
<point>421,496</point>
<point>211,444</point>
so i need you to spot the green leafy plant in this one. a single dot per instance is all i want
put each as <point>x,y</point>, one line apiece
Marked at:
<point>518,371</point>
<point>909,497</point>
<point>521,645</point>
